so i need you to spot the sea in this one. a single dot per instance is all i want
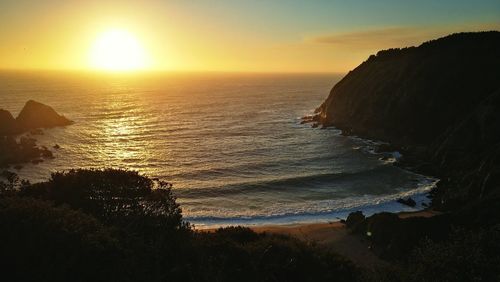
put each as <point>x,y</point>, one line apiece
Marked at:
<point>232,144</point>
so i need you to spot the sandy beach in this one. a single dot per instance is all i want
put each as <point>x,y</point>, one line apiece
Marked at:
<point>336,236</point>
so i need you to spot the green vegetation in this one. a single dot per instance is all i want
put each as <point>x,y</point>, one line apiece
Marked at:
<point>447,247</point>
<point>464,256</point>
<point>116,225</point>
<point>40,242</point>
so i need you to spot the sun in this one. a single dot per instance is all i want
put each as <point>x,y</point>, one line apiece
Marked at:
<point>117,50</point>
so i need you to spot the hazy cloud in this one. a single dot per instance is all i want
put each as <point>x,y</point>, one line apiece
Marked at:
<point>393,36</point>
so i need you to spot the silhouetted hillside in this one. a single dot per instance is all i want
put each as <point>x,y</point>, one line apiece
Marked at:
<point>439,100</point>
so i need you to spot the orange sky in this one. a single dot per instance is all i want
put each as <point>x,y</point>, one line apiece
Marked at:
<point>266,36</point>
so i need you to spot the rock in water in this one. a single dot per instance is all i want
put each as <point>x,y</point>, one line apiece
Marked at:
<point>408,202</point>
<point>8,124</point>
<point>36,115</point>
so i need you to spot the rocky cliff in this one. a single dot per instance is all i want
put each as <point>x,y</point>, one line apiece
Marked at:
<point>440,100</point>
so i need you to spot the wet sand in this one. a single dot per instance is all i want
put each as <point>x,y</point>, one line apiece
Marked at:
<point>334,235</point>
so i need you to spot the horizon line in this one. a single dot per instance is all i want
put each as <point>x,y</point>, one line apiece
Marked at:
<point>159,71</point>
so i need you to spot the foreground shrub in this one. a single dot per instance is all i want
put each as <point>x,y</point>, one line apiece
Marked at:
<point>465,256</point>
<point>239,254</point>
<point>143,211</point>
<point>114,196</point>
<point>152,243</point>
<point>39,242</point>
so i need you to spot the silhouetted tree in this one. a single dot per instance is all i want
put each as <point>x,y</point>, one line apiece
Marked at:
<point>114,196</point>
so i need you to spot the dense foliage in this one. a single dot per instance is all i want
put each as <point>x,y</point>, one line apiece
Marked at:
<point>447,247</point>
<point>116,225</point>
<point>465,256</point>
<point>39,242</point>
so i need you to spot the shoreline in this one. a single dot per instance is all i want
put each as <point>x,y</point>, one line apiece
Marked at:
<point>333,235</point>
<point>392,205</point>
<point>389,153</point>
<point>429,212</point>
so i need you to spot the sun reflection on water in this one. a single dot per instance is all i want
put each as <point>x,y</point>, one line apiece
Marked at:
<point>121,138</point>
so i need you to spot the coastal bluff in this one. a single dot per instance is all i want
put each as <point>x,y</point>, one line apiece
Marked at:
<point>439,101</point>
<point>33,115</point>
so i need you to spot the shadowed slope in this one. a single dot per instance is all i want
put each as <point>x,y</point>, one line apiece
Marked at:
<point>412,95</point>
<point>438,101</point>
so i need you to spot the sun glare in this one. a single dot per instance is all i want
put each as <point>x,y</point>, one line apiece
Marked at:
<point>117,50</point>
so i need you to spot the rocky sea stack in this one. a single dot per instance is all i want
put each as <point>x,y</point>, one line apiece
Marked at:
<point>37,115</point>
<point>439,101</point>
<point>33,115</point>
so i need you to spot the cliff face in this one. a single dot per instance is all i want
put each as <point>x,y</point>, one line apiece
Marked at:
<point>443,96</point>
<point>468,155</point>
<point>411,95</point>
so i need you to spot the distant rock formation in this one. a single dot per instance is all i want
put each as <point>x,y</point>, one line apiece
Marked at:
<point>38,115</point>
<point>440,101</point>
<point>33,115</point>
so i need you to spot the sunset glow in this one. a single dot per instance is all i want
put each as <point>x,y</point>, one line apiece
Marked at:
<point>117,50</point>
<point>277,140</point>
<point>232,36</point>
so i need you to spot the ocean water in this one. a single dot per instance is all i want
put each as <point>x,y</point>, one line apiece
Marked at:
<point>231,144</point>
